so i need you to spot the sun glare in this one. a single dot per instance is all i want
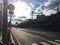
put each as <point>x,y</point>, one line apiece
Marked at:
<point>22,9</point>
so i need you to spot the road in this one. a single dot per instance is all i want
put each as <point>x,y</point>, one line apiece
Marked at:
<point>32,37</point>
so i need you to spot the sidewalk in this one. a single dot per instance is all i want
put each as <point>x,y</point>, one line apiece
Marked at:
<point>42,30</point>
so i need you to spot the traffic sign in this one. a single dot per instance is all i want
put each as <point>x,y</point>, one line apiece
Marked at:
<point>11,12</point>
<point>11,7</point>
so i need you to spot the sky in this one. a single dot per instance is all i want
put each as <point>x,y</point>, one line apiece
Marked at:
<point>23,8</point>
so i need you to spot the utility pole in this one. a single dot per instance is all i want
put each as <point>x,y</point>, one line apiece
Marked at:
<point>4,31</point>
<point>35,13</point>
<point>32,15</point>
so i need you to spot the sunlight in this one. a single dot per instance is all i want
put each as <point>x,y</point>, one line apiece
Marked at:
<point>22,9</point>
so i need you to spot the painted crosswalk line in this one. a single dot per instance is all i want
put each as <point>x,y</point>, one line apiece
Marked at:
<point>57,40</point>
<point>34,44</point>
<point>44,43</point>
<point>55,43</point>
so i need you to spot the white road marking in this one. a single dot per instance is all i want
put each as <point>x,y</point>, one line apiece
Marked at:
<point>53,42</point>
<point>16,39</point>
<point>34,44</point>
<point>57,40</point>
<point>44,43</point>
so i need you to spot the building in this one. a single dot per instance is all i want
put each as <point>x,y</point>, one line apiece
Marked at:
<point>0,16</point>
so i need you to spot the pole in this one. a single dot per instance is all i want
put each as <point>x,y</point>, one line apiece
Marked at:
<point>32,15</point>
<point>9,31</point>
<point>4,31</point>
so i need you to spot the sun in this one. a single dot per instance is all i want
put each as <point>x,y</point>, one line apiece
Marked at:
<point>22,9</point>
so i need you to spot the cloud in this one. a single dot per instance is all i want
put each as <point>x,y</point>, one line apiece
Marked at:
<point>53,4</point>
<point>22,9</point>
<point>31,4</point>
<point>48,12</point>
<point>49,7</point>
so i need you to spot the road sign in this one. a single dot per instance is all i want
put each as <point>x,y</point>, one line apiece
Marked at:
<point>11,7</point>
<point>11,12</point>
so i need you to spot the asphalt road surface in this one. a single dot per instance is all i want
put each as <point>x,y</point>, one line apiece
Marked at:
<point>33,37</point>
